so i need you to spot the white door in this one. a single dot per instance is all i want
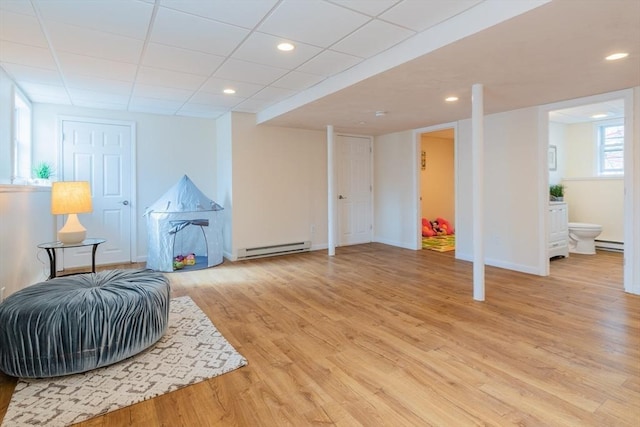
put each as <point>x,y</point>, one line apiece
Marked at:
<point>100,152</point>
<point>354,190</point>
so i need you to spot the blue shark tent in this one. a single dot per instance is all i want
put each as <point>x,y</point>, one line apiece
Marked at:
<point>182,222</point>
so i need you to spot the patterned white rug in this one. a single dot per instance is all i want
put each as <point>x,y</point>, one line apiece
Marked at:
<point>191,351</point>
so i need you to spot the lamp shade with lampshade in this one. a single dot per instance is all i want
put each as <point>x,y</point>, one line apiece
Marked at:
<point>71,198</point>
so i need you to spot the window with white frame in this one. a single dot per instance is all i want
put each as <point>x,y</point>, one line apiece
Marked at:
<point>21,139</point>
<point>610,138</point>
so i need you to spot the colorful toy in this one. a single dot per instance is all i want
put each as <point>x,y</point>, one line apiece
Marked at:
<point>190,259</point>
<point>427,228</point>
<point>445,226</point>
<point>439,227</point>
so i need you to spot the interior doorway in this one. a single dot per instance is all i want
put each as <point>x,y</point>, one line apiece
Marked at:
<point>624,101</point>
<point>437,189</point>
<point>586,145</point>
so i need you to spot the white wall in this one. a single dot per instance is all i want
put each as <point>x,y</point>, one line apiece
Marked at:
<point>632,235</point>
<point>511,190</point>
<point>224,178</point>
<point>394,187</point>
<point>25,222</point>
<point>167,147</point>
<point>279,184</point>
<point>6,125</point>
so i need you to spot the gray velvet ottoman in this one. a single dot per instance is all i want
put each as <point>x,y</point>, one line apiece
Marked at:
<point>76,323</point>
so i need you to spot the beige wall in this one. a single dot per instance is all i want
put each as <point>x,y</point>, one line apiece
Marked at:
<point>438,179</point>
<point>591,199</point>
<point>279,184</point>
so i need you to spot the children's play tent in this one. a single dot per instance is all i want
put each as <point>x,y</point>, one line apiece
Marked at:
<point>184,222</point>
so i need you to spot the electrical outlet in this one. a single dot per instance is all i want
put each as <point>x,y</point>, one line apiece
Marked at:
<point>313,228</point>
<point>1,294</point>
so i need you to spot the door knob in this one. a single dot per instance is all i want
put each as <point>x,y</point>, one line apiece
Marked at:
<point>341,197</point>
<point>126,202</point>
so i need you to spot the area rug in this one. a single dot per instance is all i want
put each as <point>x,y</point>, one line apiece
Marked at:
<point>439,243</point>
<point>192,350</point>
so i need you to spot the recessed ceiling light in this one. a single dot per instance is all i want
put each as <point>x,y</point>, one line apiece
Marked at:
<point>381,113</point>
<point>451,99</point>
<point>286,47</point>
<point>599,116</point>
<point>229,91</point>
<point>615,56</point>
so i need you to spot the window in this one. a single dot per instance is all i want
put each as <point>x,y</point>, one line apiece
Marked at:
<point>610,137</point>
<point>21,139</point>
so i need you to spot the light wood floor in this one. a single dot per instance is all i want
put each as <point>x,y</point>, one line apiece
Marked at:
<point>381,336</point>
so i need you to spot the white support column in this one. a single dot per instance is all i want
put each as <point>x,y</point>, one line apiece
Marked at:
<point>477,142</point>
<point>331,192</point>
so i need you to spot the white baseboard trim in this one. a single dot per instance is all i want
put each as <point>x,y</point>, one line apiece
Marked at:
<point>608,245</point>
<point>403,245</point>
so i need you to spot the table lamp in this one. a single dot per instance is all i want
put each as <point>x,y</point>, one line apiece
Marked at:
<point>71,198</point>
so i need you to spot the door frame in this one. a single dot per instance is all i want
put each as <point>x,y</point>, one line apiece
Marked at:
<point>337,136</point>
<point>133,235</point>
<point>417,148</point>
<point>631,267</point>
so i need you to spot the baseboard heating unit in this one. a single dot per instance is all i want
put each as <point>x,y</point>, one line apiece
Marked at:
<point>609,245</point>
<point>273,250</point>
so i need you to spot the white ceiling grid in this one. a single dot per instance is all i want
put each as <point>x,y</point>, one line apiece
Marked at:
<point>176,56</point>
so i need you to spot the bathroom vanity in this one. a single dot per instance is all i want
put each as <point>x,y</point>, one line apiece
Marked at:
<point>558,229</point>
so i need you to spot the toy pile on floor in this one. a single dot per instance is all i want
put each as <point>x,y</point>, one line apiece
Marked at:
<point>439,227</point>
<point>181,261</point>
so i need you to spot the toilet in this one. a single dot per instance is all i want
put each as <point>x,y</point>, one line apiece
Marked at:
<point>582,237</point>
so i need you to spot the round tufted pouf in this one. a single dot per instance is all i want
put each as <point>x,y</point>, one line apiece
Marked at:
<point>76,323</point>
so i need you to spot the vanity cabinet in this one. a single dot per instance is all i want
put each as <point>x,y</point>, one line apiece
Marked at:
<point>558,229</point>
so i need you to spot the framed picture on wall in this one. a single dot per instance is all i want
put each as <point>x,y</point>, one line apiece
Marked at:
<point>553,158</point>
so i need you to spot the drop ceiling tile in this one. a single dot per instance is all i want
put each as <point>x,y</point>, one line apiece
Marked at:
<point>126,18</point>
<point>245,13</point>
<point>296,80</point>
<point>244,71</point>
<point>100,105</point>
<point>179,29</point>
<point>215,99</point>
<point>373,38</point>
<point>273,94</point>
<point>192,109</point>
<point>24,29</point>
<point>368,7</point>
<point>166,78</point>
<point>45,93</point>
<point>159,92</point>
<point>178,59</point>
<point>96,67</point>
<point>252,105</point>
<point>15,53</point>
<point>329,62</point>
<point>117,87</point>
<point>89,96</point>
<point>23,73</point>
<point>17,6</point>
<point>306,21</point>
<point>152,105</point>
<point>98,44</point>
<point>418,15</point>
<point>262,48</point>
<point>243,90</point>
